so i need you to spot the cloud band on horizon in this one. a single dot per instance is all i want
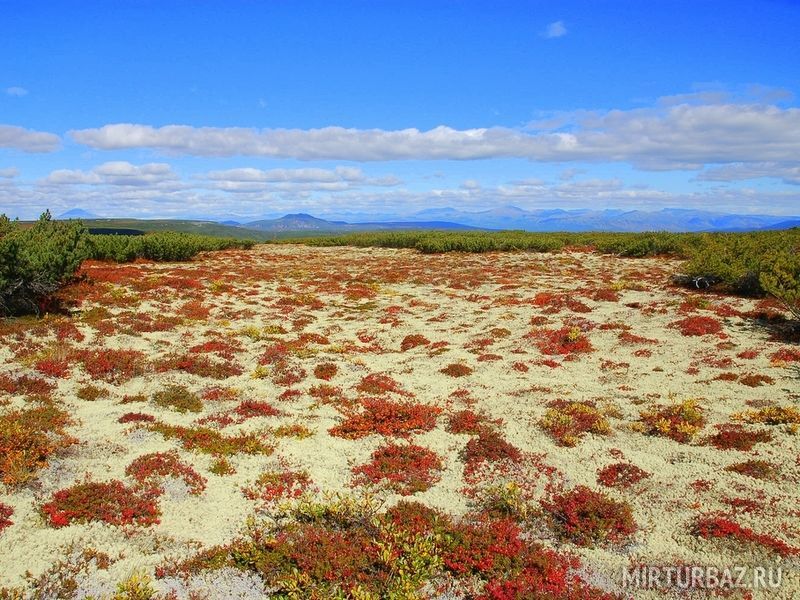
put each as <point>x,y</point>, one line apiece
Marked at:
<point>683,136</point>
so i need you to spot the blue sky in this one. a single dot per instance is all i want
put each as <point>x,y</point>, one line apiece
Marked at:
<point>381,109</point>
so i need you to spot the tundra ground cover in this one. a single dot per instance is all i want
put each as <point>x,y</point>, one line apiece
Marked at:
<point>315,421</point>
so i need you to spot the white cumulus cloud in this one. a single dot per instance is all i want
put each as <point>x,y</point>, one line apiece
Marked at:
<point>788,173</point>
<point>295,180</point>
<point>28,140</point>
<point>16,91</point>
<point>678,136</point>
<point>117,173</point>
<point>290,175</point>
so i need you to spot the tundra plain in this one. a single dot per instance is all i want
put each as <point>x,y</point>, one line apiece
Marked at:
<point>307,422</point>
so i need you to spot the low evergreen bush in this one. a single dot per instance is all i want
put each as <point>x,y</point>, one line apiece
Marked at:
<point>162,246</point>
<point>36,260</point>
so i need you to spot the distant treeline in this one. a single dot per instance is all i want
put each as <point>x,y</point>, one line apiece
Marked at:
<point>36,260</point>
<point>628,244</point>
<point>114,231</point>
<point>751,263</point>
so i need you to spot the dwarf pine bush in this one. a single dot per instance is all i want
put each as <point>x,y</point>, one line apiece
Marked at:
<point>159,246</point>
<point>783,281</point>
<point>36,260</point>
<point>748,263</point>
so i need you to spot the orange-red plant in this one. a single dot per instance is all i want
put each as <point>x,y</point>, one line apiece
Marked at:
<point>588,518</point>
<point>114,366</point>
<point>149,470</point>
<point>387,418</point>
<point>412,341</point>
<point>111,502</point>
<point>564,341</point>
<point>402,468</point>
<point>710,526</point>
<point>5,516</point>
<point>698,325</point>
<point>325,371</point>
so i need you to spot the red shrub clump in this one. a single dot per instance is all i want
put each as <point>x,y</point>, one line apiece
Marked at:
<point>25,384</point>
<point>456,370</point>
<point>200,365</point>
<point>756,380</point>
<point>256,408</point>
<point>53,367</point>
<point>286,375</point>
<point>567,340</point>
<point>404,469</point>
<point>416,518</point>
<point>514,568</point>
<point>736,437</point>
<point>327,394</point>
<point>786,355</point>
<point>273,354</point>
<point>28,438</point>
<point>325,371</point>
<point>757,469</point>
<point>5,516</point>
<point>136,417</point>
<point>412,341</point>
<point>719,526</point>
<point>489,446</point>
<point>698,326</point>
<point>587,518</point>
<point>194,309</point>
<point>304,339</point>
<point>605,295</point>
<point>217,394</point>
<point>468,421</point>
<point>68,331</point>
<point>620,475</point>
<point>387,418</point>
<point>150,469</point>
<point>222,348</point>
<point>553,303</point>
<point>379,384</point>
<point>484,548</point>
<point>114,366</point>
<point>289,395</point>
<point>278,485</point>
<point>111,502</point>
<point>327,555</point>
<point>626,337</point>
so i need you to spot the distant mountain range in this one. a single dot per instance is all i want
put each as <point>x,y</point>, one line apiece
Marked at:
<point>667,219</point>
<point>509,217</point>
<point>305,222</point>
<point>785,224</point>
